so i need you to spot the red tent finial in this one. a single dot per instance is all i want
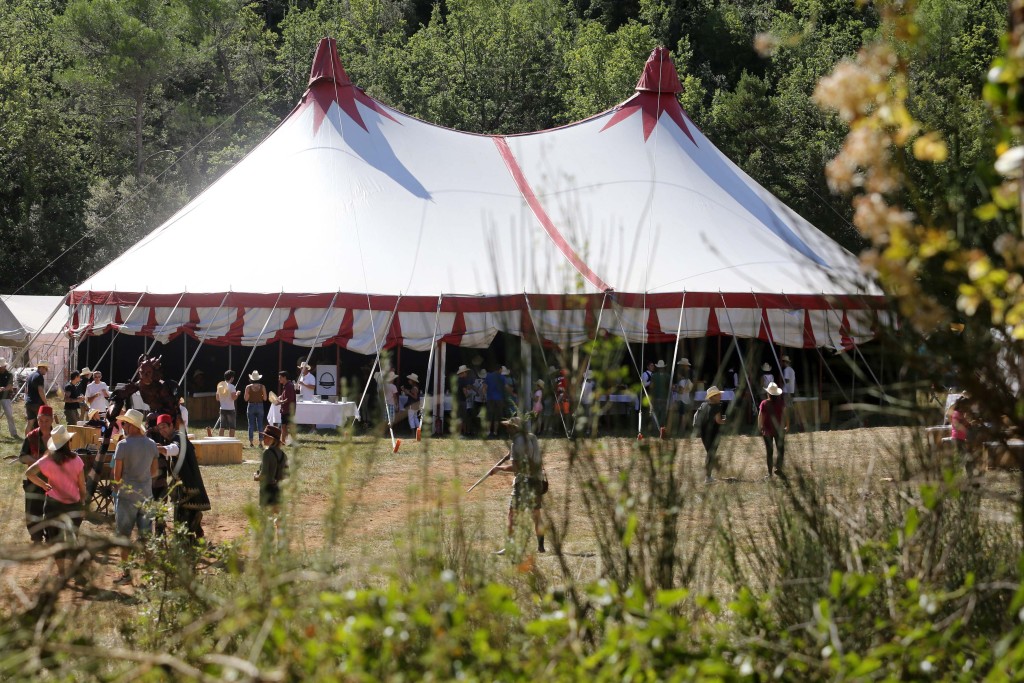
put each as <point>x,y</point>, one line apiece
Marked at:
<point>327,65</point>
<point>660,74</point>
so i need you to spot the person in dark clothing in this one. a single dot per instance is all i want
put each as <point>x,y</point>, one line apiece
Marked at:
<point>773,423</point>
<point>32,449</point>
<point>708,421</point>
<point>74,398</point>
<point>188,493</point>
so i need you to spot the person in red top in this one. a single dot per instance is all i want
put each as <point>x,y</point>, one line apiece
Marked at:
<point>960,424</point>
<point>64,485</point>
<point>773,423</point>
<point>287,402</point>
<point>33,448</point>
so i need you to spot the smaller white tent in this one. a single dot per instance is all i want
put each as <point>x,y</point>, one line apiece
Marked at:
<point>33,328</point>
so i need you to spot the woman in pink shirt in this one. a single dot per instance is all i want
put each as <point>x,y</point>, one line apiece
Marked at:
<point>64,485</point>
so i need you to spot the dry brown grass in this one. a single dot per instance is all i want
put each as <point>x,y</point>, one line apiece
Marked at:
<point>355,505</point>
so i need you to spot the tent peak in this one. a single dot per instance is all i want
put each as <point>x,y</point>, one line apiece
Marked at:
<point>327,66</point>
<point>659,74</point>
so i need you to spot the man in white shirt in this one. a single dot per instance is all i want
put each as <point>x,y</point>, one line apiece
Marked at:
<point>306,382</point>
<point>788,379</point>
<point>97,393</point>
<point>789,388</point>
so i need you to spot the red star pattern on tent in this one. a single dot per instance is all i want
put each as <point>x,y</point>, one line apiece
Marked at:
<point>328,82</point>
<point>655,95</point>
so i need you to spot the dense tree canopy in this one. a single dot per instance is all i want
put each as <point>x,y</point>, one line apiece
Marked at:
<point>113,113</point>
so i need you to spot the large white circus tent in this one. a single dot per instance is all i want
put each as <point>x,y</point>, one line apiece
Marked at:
<point>628,223</point>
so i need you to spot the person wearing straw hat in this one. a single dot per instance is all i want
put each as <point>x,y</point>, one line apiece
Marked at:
<point>766,376</point>
<point>708,421</point>
<point>7,397</point>
<point>526,462</point>
<point>32,448</point>
<point>306,382</point>
<point>412,406</point>
<point>773,423</point>
<point>35,393</point>
<point>255,397</point>
<point>134,467</point>
<point>64,487</point>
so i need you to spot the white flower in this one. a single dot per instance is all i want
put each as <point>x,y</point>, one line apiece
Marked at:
<point>1009,163</point>
<point>826,652</point>
<point>926,666</point>
<point>746,668</point>
<point>447,576</point>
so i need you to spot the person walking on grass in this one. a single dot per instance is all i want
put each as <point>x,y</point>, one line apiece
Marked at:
<point>255,396</point>
<point>286,403</point>
<point>707,422</point>
<point>60,473</point>
<point>273,470</point>
<point>135,466</point>
<point>773,423</point>
<point>527,464</point>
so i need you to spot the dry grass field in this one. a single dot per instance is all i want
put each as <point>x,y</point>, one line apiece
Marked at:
<point>359,508</point>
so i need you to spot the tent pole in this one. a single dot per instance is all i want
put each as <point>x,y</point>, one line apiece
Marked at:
<point>426,408</point>
<point>583,382</point>
<point>675,353</point>
<point>743,363</point>
<point>439,371</point>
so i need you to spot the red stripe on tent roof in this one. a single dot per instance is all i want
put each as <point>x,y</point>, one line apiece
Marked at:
<point>538,210</point>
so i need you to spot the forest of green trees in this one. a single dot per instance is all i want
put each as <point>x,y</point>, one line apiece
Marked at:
<point>114,113</point>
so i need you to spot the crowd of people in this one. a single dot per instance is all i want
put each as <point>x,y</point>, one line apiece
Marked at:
<point>154,468</point>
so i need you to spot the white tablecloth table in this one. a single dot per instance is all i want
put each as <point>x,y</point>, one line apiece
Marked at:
<point>323,414</point>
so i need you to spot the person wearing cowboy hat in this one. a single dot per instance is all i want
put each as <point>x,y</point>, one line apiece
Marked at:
<point>465,386</point>
<point>526,462</point>
<point>134,467</point>
<point>7,396</point>
<point>708,421</point>
<point>306,382</point>
<point>773,423</point>
<point>412,406</point>
<point>766,375</point>
<point>255,397</point>
<point>35,393</point>
<point>60,473</point>
<point>32,448</point>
